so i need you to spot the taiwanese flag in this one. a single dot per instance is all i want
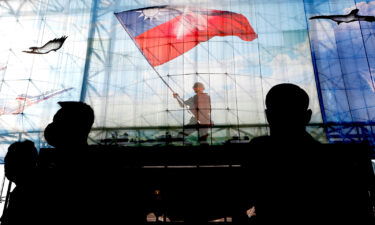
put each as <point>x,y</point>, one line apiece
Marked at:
<point>163,33</point>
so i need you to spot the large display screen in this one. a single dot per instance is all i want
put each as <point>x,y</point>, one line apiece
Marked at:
<point>136,63</point>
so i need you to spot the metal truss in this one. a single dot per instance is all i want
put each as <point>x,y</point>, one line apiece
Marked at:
<point>17,8</point>
<point>97,73</point>
<point>27,9</point>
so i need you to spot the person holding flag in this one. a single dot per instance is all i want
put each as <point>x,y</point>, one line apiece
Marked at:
<point>164,33</point>
<point>200,107</point>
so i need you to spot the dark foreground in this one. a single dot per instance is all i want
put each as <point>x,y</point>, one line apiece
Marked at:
<point>324,184</point>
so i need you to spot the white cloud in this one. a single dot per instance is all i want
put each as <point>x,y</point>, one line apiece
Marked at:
<point>245,92</point>
<point>297,70</point>
<point>365,9</point>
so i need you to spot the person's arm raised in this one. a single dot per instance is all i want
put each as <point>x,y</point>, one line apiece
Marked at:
<point>179,100</point>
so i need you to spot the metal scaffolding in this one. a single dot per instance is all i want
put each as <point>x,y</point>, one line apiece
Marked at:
<point>105,68</point>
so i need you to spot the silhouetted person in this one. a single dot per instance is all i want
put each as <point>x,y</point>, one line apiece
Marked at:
<point>84,188</point>
<point>288,114</point>
<point>20,168</point>
<point>200,107</point>
<point>296,179</point>
<point>68,189</point>
<point>70,127</point>
<point>281,166</point>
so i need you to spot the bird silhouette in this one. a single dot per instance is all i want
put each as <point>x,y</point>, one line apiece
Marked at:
<point>52,45</point>
<point>351,17</point>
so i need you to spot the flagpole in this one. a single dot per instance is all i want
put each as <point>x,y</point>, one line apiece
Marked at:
<point>162,79</point>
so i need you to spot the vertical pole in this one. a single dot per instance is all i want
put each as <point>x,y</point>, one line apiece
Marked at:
<point>2,188</point>
<point>7,197</point>
<point>315,67</point>
<point>317,78</point>
<point>108,61</point>
<point>90,40</point>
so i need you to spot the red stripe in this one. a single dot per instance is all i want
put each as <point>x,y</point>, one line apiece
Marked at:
<point>160,44</point>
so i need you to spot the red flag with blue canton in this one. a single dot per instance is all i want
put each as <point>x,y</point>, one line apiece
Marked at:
<point>163,33</point>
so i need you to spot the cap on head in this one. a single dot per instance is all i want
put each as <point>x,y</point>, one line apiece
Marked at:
<point>198,85</point>
<point>71,124</point>
<point>77,113</point>
<point>287,96</point>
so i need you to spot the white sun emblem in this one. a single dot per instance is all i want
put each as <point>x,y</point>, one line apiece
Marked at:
<point>150,14</point>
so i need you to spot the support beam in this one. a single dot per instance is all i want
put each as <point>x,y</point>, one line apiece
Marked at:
<point>89,51</point>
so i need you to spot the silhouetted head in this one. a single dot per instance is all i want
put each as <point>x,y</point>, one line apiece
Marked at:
<point>20,161</point>
<point>287,109</point>
<point>198,87</point>
<point>71,124</point>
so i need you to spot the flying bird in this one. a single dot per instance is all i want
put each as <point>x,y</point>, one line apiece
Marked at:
<point>351,17</point>
<point>52,45</point>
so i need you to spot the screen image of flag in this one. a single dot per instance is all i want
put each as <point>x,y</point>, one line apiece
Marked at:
<point>163,33</point>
